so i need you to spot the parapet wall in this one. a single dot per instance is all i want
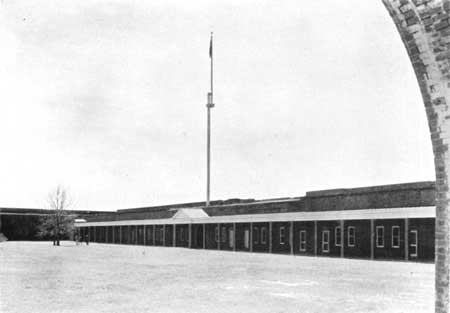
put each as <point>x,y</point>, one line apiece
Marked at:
<point>387,196</point>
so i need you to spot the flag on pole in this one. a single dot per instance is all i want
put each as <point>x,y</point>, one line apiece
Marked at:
<point>210,47</point>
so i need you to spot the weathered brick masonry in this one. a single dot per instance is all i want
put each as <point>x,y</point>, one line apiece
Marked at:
<point>424,26</point>
<point>388,196</point>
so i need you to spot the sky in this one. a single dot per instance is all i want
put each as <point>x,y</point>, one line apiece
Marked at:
<point>107,98</point>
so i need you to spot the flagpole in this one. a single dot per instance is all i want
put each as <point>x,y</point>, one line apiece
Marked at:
<point>209,105</point>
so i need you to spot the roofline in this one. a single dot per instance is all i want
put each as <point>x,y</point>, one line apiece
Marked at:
<point>367,214</point>
<point>372,189</point>
<point>309,194</point>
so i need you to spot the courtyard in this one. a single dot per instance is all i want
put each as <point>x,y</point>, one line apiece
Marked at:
<point>38,277</point>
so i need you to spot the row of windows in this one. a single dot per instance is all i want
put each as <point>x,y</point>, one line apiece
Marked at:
<point>260,236</point>
<point>351,236</point>
<point>395,238</point>
<point>183,235</point>
<point>224,236</point>
<point>138,232</point>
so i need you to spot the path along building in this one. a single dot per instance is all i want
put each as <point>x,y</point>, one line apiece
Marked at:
<point>381,222</point>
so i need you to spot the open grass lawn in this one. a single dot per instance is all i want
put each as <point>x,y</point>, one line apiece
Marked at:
<point>37,277</point>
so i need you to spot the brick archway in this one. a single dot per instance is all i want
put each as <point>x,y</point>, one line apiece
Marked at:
<point>424,26</point>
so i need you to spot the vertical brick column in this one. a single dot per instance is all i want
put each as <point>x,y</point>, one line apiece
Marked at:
<point>424,26</point>
<point>251,237</point>
<point>291,236</point>
<point>315,237</point>
<point>190,235</point>
<point>154,234</point>
<point>372,239</point>
<point>341,225</point>
<point>220,236</point>
<point>144,235</point>
<point>406,239</point>
<point>174,243</point>
<point>164,236</point>
<point>270,237</point>
<point>204,236</point>
<point>234,237</point>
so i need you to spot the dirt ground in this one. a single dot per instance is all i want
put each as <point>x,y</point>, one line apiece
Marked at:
<point>37,277</point>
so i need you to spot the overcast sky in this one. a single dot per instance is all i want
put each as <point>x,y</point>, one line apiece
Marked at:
<point>108,98</point>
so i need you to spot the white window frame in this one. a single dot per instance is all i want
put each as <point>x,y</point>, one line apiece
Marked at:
<point>350,236</point>
<point>382,237</point>
<point>416,245</point>
<point>398,237</point>
<point>231,237</point>
<point>282,235</point>
<point>337,230</point>
<point>247,239</point>
<point>326,243</point>
<point>263,235</point>
<point>302,241</point>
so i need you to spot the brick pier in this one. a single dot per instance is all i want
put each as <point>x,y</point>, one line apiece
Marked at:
<point>424,26</point>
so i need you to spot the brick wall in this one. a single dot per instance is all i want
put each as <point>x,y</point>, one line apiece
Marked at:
<point>390,196</point>
<point>424,27</point>
<point>387,196</point>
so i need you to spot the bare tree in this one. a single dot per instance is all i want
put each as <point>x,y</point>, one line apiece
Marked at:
<point>57,225</point>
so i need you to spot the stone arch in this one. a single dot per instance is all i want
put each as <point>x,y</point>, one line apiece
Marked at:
<point>424,26</point>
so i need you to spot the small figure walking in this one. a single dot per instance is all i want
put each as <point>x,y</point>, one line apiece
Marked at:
<point>87,239</point>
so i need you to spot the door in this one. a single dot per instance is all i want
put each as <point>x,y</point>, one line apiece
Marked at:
<point>231,238</point>
<point>199,236</point>
<point>326,241</point>
<point>247,239</point>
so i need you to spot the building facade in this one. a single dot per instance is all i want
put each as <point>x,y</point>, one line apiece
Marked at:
<point>23,223</point>
<point>394,222</point>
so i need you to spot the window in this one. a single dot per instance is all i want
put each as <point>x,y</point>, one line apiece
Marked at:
<point>413,244</point>
<point>337,235</point>
<point>255,235</point>
<point>380,236</point>
<point>351,236</point>
<point>246,239</point>
<point>326,241</point>
<point>230,238</point>
<point>263,235</point>
<point>224,234</point>
<point>395,236</point>
<point>181,234</point>
<point>282,235</point>
<point>161,234</point>
<point>303,240</point>
<point>216,237</point>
